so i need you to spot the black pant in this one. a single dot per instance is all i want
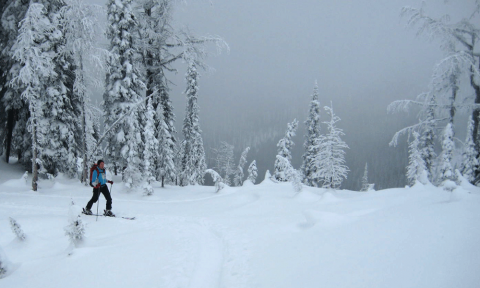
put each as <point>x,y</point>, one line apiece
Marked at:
<point>96,194</point>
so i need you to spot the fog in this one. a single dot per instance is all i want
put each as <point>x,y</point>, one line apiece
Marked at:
<point>361,53</point>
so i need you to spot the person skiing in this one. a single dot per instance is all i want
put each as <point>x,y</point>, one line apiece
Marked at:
<point>99,182</point>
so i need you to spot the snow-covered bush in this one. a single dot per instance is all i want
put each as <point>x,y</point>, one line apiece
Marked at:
<point>76,229</point>
<point>217,179</point>
<point>3,264</point>
<point>17,230</point>
<point>291,174</point>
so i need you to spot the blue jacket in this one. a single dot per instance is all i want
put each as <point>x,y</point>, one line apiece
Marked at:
<point>102,179</point>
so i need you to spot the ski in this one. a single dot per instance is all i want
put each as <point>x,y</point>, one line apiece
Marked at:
<point>127,218</point>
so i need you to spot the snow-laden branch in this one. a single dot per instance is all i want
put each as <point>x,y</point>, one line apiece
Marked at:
<point>410,129</point>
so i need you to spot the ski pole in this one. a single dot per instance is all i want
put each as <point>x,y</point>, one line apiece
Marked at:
<point>98,201</point>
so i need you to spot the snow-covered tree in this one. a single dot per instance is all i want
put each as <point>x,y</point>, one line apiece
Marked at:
<point>37,67</point>
<point>166,165</point>
<point>238,176</point>
<point>330,160</point>
<point>17,229</point>
<point>289,173</point>
<point>284,147</point>
<point>470,161</point>
<point>460,42</point>
<point>427,137</point>
<point>193,163</point>
<point>416,169</point>
<point>217,179</point>
<point>12,105</point>
<point>80,23</point>
<point>448,146</point>
<point>365,184</point>
<point>123,91</point>
<point>252,172</point>
<point>150,149</point>
<point>224,161</point>
<point>312,134</point>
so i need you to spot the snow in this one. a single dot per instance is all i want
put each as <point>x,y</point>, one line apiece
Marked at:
<point>264,235</point>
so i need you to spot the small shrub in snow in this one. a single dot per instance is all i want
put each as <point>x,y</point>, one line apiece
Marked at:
<point>17,229</point>
<point>25,177</point>
<point>217,179</point>
<point>291,174</point>
<point>75,231</point>
<point>3,264</point>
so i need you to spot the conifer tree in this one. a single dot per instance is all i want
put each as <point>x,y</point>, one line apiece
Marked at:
<point>252,172</point>
<point>123,90</point>
<point>80,23</point>
<point>14,110</point>
<point>416,169</point>
<point>38,67</point>
<point>166,165</point>
<point>150,150</point>
<point>330,160</point>
<point>365,179</point>
<point>427,139</point>
<point>285,150</point>
<point>312,134</point>
<point>193,162</point>
<point>224,161</point>
<point>448,146</point>
<point>238,177</point>
<point>470,161</point>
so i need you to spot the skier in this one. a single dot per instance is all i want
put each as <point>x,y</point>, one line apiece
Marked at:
<point>99,183</point>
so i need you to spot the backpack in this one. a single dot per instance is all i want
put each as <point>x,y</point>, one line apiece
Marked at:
<point>94,167</point>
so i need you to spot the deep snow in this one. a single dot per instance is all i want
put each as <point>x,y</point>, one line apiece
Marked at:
<point>264,235</point>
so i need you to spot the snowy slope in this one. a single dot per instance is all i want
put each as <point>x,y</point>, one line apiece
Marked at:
<point>262,235</point>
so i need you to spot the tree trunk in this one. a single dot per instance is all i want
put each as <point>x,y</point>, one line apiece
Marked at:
<point>34,153</point>
<point>8,140</point>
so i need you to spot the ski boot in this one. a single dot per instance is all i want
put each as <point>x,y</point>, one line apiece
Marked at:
<point>87,211</point>
<point>108,213</point>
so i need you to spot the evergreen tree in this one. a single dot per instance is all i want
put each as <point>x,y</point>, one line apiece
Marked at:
<point>123,90</point>
<point>224,161</point>
<point>312,134</point>
<point>13,108</point>
<point>290,173</point>
<point>150,150</point>
<point>80,24</point>
<point>166,166</point>
<point>31,50</point>
<point>252,172</point>
<point>416,170</point>
<point>448,146</point>
<point>427,139</point>
<point>365,179</point>
<point>330,160</point>
<point>238,177</point>
<point>193,162</point>
<point>285,150</point>
<point>470,161</point>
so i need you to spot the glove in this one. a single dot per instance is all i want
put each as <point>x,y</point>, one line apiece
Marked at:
<point>111,182</point>
<point>97,186</point>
